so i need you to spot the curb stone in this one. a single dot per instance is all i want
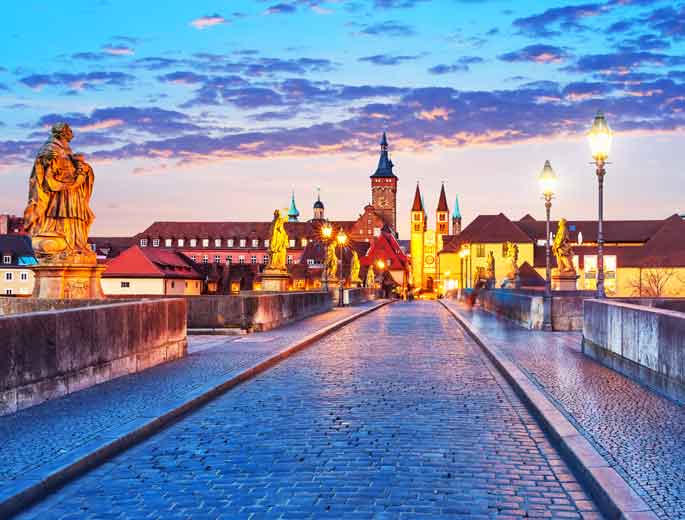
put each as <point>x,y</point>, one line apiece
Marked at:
<point>36,484</point>
<point>614,497</point>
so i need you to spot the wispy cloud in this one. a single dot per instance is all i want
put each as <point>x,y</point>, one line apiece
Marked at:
<point>538,53</point>
<point>388,59</point>
<point>208,21</point>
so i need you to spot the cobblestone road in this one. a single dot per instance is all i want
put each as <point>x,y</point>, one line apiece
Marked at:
<point>397,415</point>
<point>35,437</point>
<point>641,433</point>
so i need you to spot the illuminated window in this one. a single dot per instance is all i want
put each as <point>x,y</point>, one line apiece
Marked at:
<point>265,259</point>
<point>229,242</point>
<point>168,242</point>
<point>290,259</point>
<point>193,242</point>
<point>217,259</point>
<point>253,259</point>
<point>292,242</point>
<point>255,242</point>
<point>205,242</point>
<point>304,242</point>
<point>217,242</point>
<point>266,243</point>
<point>310,261</point>
<point>241,259</point>
<point>193,257</point>
<point>181,242</point>
<point>155,242</point>
<point>205,259</point>
<point>143,242</point>
<point>243,242</point>
<point>229,259</point>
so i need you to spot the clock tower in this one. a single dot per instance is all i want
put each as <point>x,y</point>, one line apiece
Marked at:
<point>384,188</point>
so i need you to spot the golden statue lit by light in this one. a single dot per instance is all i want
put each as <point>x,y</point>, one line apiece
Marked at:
<point>331,261</point>
<point>562,250</point>
<point>58,216</point>
<point>354,269</point>
<point>370,277</point>
<point>278,242</point>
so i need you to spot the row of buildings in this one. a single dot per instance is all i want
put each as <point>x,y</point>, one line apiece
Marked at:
<point>642,257</point>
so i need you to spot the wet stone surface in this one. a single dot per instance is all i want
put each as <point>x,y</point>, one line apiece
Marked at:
<point>34,437</point>
<point>641,433</point>
<point>397,415</point>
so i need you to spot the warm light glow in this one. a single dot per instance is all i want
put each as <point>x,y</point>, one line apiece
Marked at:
<point>380,264</point>
<point>342,237</point>
<point>327,230</point>
<point>548,180</point>
<point>599,137</point>
<point>465,251</point>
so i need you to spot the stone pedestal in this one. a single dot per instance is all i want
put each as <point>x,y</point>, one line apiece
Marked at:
<point>564,281</point>
<point>275,281</point>
<point>68,281</point>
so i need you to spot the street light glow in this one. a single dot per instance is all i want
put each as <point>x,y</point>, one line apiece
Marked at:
<point>548,180</point>
<point>327,231</point>
<point>599,137</point>
<point>342,237</point>
<point>381,264</point>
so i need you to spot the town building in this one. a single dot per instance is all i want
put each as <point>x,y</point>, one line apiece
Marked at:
<point>151,272</point>
<point>641,257</point>
<point>16,260</point>
<point>11,224</point>
<point>426,243</point>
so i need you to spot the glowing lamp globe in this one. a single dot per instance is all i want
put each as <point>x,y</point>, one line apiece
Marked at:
<point>548,180</point>
<point>327,230</point>
<point>342,237</point>
<point>599,137</point>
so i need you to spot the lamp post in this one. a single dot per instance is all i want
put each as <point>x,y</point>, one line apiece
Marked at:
<point>599,137</point>
<point>326,233</point>
<point>342,240</point>
<point>548,182</point>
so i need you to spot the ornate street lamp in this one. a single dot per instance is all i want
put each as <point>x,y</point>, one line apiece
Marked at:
<point>326,233</point>
<point>548,185</point>
<point>599,137</point>
<point>342,240</point>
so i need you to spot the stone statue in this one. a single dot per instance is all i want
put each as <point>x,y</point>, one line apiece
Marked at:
<point>512,253</point>
<point>561,248</point>
<point>58,216</point>
<point>490,274</point>
<point>278,242</point>
<point>331,261</point>
<point>370,277</point>
<point>354,269</point>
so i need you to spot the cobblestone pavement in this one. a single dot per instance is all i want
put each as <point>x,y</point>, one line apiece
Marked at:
<point>34,437</point>
<point>641,433</point>
<point>397,415</point>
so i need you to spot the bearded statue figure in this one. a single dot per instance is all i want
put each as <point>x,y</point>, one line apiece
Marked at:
<point>58,216</point>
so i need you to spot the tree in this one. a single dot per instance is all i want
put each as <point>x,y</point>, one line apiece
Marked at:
<point>653,278</point>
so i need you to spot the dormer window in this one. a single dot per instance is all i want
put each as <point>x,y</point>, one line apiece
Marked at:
<point>205,242</point>
<point>181,242</point>
<point>243,242</point>
<point>229,242</point>
<point>6,259</point>
<point>217,242</point>
<point>193,242</point>
<point>291,242</point>
<point>143,242</point>
<point>155,242</point>
<point>255,242</point>
<point>304,242</point>
<point>167,242</point>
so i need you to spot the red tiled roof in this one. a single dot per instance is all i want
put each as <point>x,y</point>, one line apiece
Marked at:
<point>138,262</point>
<point>619,231</point>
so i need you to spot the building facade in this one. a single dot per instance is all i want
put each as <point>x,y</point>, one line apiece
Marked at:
<point>16,261</point>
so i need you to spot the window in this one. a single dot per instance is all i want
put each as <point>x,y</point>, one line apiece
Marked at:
<point>180,242</point>
<point>205,259</point>
<point>480,250</point>
<point>155,242</point>
<point>193,242</point>
<point>241,259</point>
<point>310,261</point>
<point>9,277</point>
<point>253,259</point>
<point>504,250</point>
<point>376,232</point>
<point>205,242</point>
<point>243,242</point>
<point>266,243</point>
<point>7,259</point>
<point>290,259</point>
<point>217,242</point>
<point>143,242</point>
<point>255,242</point>
<point>24,276</point>
<point>417,227</point>
<point>443,217</point>
<point>173,284</point>
<point>229,242</point>
<point>229,259</point>
<point>167,242</point>
<point>193,257</point>
<point>292,242</point>
<point>93,247</point>
<point>8,292</point>
<point>217,259</point>
<point>125,285</point>
<point>197,285</point>
<point>265,259</point>
<point>304,242</point>
<point>417,217</point>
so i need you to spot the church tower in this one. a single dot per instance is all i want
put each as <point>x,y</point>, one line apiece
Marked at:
<point>293,212</point>
<point>442,223</point>
<point>456,217</point>
<point>318,206</point>
<point>418,230</point>
<point>384,188</point>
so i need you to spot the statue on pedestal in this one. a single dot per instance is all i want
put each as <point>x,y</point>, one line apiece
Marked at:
<point>490,273</point>
<point>278,242</point>
<point>58,218</point>
<point>355,281</point>
<point>561,248</point>
<point>370,278</point>
<point>512,254</point>
<point>331,261</point>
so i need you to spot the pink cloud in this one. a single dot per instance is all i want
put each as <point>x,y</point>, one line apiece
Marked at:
<point>118,50</point>
<point>208,21</point>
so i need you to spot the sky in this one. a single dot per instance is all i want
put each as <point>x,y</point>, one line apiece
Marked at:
<point>216,110</point>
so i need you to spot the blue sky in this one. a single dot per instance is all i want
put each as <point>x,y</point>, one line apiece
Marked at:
<point>217,109</point>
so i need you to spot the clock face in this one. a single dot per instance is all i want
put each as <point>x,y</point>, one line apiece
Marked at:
<point>429,260</point>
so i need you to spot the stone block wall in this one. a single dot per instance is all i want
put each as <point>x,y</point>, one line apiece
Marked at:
<point>358,295</point>
<point>255,311</point>
<point>48,354</point>
<point>646,344</point>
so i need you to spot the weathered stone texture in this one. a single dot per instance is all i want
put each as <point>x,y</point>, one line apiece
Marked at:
<point>44,355</point>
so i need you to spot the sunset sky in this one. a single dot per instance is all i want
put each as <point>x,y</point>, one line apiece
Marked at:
<point>215,110</point>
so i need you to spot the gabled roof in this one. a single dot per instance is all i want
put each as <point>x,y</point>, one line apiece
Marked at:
<point>386,247</point>
<point>442,201</point>
<point>619,231</point>
<point>418,201</point>
<point>137,262</point>
<point>487,229</point>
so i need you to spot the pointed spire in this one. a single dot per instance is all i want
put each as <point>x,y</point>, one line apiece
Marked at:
<point>418,200</point>
<point>456,213</point>
<point>318,204</point>
<point>442,201</point>
<point>293,212</point>
<point>385,165</point>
